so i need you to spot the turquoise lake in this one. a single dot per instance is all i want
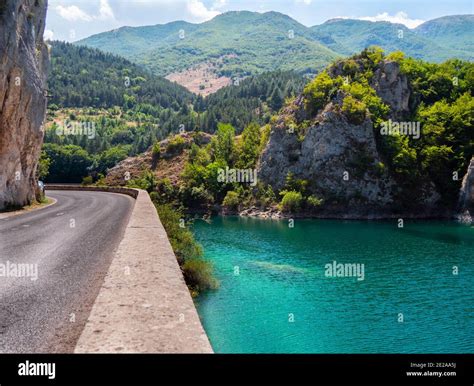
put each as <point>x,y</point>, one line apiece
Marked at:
<point>275,296</point>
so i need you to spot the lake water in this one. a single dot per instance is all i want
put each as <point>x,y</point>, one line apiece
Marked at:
<point>275,295</point>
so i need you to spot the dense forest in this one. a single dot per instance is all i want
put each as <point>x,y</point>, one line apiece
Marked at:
<point>85,77</point>
<point>244,43</point>
<point>250,43</point>
<point>129,109</point>
<point>255,99</point>
<point>441,101</point>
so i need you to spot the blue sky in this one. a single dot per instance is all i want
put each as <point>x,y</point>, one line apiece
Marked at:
<point>75,19</point>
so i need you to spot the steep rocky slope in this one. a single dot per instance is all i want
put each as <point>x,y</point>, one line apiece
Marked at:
<point>23,64</point>
<point>466,197</point>
<point>339,156</point>
<point>169,165</point>
<point>327,157</point>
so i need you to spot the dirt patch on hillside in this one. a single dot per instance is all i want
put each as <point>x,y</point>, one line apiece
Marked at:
<point>203,78</point>
<point>169,165</point>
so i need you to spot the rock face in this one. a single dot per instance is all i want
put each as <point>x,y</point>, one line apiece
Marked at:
<point>23,65</point>
<point>466,197</point>
<point>392,86</point>
<point>339,159</point>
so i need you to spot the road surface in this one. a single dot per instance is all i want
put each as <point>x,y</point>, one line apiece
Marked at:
<point>64,251</point>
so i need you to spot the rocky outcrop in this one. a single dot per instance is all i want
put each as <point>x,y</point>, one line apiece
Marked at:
<point>466,197</point>
<point>393,87</point>
<point>389,82</point>
<point>338,158</point>
<point>23,65</point>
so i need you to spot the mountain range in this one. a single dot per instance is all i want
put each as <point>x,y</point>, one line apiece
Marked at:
<point>238,44</point>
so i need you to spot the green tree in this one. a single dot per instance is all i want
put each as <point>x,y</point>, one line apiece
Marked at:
<point>249,149</point>
<point>43,166</point>
<point>354,109</point>
<point>291,202</point>
<point>111,157</point>
<point>69,163</point>
<point>231,200</point>
<point>318,92</point>
<point>223,144</point>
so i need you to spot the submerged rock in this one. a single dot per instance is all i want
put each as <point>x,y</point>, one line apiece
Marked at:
<point>23,65</point>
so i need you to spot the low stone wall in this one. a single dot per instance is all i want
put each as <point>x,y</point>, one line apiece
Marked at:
<point>144,305</point>
<point>130,192</point>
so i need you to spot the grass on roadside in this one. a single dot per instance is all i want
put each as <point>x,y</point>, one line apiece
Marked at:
<point>197,271</point>
<point>45,201</point>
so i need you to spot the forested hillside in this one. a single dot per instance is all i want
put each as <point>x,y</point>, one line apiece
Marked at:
<point>248,43</point>
<point>255,99</point>
<point>428,41</point>
<point>251,43</point>
<point>326,153</point>
<point>451,31</point>
<point>128,109</point>
<point>85,77</point>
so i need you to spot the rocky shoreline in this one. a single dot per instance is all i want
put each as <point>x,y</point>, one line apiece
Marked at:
<point>275,214</point>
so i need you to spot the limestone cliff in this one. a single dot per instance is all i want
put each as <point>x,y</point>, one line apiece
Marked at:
<point>466,197</point>
<point>23,64</point>
<point>391,85</point>
<point>339,158</point>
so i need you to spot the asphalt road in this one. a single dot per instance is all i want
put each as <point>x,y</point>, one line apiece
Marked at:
<point>70,246</point>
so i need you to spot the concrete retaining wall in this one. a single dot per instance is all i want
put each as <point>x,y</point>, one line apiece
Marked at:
<point>130,192</point>
<point>144,305</point>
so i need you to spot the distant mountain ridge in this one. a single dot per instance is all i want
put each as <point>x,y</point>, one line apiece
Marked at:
<point>435,40</point>
<point>258,42</point>
<point>249,43</point>
<point>457,30</point>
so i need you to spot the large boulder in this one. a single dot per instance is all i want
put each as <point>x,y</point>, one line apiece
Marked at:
<point>23,65</point>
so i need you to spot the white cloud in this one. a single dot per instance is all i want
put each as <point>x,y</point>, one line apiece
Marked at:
<point>194,10</point>
<point>399,18</point>
<point>48,35</point>
<point>199,11</point>
<point>74,13</point>
<point>105,10</point>
<point>306,2</point>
